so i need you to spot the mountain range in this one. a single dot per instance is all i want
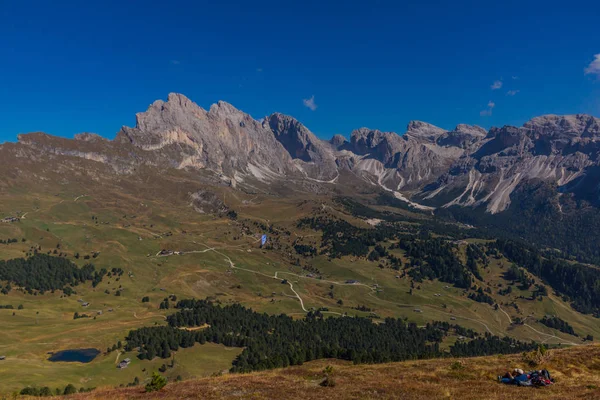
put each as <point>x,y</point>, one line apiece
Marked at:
<point>427,166</point>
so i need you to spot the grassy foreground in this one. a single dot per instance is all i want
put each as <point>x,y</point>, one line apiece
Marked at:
<point>576,370</point>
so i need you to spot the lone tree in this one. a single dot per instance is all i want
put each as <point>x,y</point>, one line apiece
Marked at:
<point>70,389</point>
<point>158,382</point>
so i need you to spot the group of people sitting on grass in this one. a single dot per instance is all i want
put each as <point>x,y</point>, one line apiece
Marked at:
<point>533,378</point>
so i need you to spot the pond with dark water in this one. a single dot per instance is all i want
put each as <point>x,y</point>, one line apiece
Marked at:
<point>74,355</point>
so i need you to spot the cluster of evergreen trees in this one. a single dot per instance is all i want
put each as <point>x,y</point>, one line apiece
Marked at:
<point>536,217</point>
<point>579,282</point>
<point>305,250</point>
<point>10,307</point>
<point>272,341</point>
<point>79,316</point>
<point>430,257</point>
<point>435,258</point>
<point>45,391</point>
<point>559,324</point>
<point>42,273</point>
<point>516,274</point>
<point>9,241</point>
<point>481,297</point>
<point>340,238</point>
<point>475,253</point>
<point>489,345</point>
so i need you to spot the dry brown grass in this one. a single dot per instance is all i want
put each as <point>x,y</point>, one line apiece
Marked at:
<point>576,370</point>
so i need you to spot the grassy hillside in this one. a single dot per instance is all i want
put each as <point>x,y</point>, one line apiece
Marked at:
<point>576,371</point>
<point>128,225</point>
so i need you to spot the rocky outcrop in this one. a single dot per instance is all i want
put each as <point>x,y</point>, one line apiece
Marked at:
<point>314,157</point>
<point>222,139</point>
<point>562,150</point>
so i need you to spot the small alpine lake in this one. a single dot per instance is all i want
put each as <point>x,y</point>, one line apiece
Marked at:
<point>74,355</point>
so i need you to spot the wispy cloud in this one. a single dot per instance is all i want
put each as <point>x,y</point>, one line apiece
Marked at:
<point>594,67</point>
<point>175,62</point>
<point>259,70</point>
<point>488,111</point>
<point>310,103</point>
<point>512,92</point>
<point>496,85</point>
<point>514,77</point>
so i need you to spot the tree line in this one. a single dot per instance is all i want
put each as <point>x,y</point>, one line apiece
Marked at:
<point>489,345</point>
<point>435,258</point>
<point>42,272</point>
<point>577,282</point>
<point>45,391</point>
<point>539,217</point>
<point>10,240</point>
<point>273,341</point>
<point>559,324</point>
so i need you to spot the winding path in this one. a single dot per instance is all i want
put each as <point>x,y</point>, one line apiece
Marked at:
<point>297,295</point>
<point>563,341</point>
<point>232,265</point>
<point>549,336</point>
<point>371,293</point>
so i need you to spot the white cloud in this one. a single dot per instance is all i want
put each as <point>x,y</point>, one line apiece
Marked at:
<point>512,92</point>
<point>496,85</point>
<point>488,111</point>
<point>175,62</point>
<point>514,77</point>
<point>594,67</point>
<point>310,103</point>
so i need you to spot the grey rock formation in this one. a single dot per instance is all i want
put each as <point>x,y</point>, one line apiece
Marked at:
<point>222,139</point>
<point>338,142</point>
<point>563,150</point>
<point>314,157</point>
<point>466,166</point>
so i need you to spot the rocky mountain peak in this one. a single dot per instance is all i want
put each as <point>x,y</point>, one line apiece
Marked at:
<point>182,134</point>
<point>338,141</point>
<point>472,130</point>
<point>365,138</point>
<point>382,146</point>
<point>25,138</point>
<point>423,130</point>
<point>428,161</point>
<point>222,109</point>
<point>581,125</point>
<point>463,136</point>
<point>89,137</point>
<point>279,123</point>
<point>179,100</point>
<point>294,136</point>
<point>314,156</point>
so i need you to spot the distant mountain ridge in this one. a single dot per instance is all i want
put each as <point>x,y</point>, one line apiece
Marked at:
<point>467,166</point>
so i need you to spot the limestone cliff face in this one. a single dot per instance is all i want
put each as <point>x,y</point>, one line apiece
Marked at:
<point>563,150</point>
<point>466,166</point>
<point>314,157</point>
<point>222,139</point>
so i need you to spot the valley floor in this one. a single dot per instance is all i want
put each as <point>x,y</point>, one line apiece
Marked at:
<point>576,371</point>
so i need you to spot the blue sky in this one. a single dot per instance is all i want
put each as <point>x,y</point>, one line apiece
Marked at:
<point>68,67</point>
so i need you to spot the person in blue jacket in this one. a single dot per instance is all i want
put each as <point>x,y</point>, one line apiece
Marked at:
<point>517,377</point>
